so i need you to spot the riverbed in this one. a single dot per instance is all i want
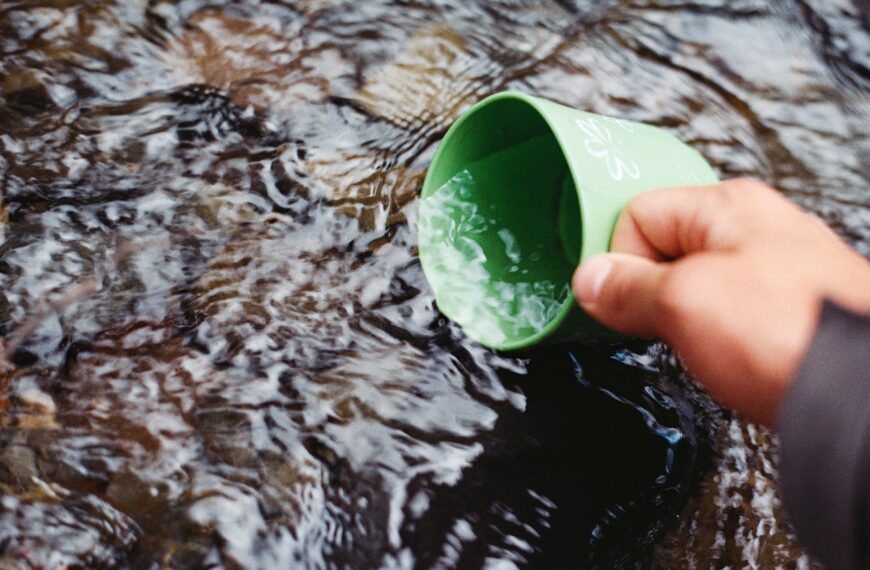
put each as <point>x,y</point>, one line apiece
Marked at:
<point>221,351</point>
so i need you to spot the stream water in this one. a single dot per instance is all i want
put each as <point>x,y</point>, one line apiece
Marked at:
<point>222,352</point>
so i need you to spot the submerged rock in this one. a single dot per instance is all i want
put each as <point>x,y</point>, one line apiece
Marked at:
<point>34,410</point>
<point>17,466</point>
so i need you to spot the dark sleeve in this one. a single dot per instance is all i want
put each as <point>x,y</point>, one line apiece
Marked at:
<point>824,429</point>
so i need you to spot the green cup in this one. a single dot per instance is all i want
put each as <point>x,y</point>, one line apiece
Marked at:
<point>520,191</point>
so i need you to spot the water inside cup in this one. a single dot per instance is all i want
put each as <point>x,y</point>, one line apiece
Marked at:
<point>492,246</point>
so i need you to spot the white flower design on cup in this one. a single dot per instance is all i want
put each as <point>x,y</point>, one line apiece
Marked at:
<point>624,125</point>
<point>600,144</point>
<point>691,178</point>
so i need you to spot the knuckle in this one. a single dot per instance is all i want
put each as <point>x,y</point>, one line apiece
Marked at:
<point>748,184</point>
<point>744,202</point>
<point>636,204</point>
<point>747,190</point>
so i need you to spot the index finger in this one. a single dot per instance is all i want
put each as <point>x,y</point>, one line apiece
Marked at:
<point>674,222</point>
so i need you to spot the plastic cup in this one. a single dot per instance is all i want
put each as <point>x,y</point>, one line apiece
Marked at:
<point>520,191</point>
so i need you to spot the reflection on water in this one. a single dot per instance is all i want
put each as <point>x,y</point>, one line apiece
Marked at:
<point>224,353</point>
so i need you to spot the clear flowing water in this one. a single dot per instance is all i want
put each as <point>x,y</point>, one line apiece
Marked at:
<point>221,349</point>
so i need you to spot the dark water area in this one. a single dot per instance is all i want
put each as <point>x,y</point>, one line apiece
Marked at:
<point>221,350</point>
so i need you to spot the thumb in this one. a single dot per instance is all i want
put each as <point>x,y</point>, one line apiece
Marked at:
<point>620,291</point>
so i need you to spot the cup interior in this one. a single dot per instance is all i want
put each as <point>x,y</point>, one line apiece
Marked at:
<point>500,225</point>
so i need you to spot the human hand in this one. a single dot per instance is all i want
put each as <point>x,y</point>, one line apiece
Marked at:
<point>732,276</point>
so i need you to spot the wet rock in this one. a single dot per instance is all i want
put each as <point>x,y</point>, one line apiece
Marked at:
<point>736,511</point>
<point>27,89</point>
<point>36,401</point>
<point>7,369</point>
<point>227,436</point>
<point>13,562</point>
<point>72,475</point>
<point>4,219</point>
<point>130,494</point>
<point>247,55</point>
<point>225,208</point>
<point>428,82</point>
<point>35,410</point>
<point>377,201</point>
<point>18,466</point>
<point>439,73</point>
<point>78,531</point>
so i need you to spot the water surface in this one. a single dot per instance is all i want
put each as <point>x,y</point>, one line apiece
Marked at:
<point>222,350</point>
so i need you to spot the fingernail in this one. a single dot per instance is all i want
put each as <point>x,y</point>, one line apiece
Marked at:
<point>590,278</point>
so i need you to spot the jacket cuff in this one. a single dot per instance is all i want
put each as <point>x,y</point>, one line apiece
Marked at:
<point>824,430</point>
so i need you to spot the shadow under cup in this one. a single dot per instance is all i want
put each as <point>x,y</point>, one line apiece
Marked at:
<point>500,225</point>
